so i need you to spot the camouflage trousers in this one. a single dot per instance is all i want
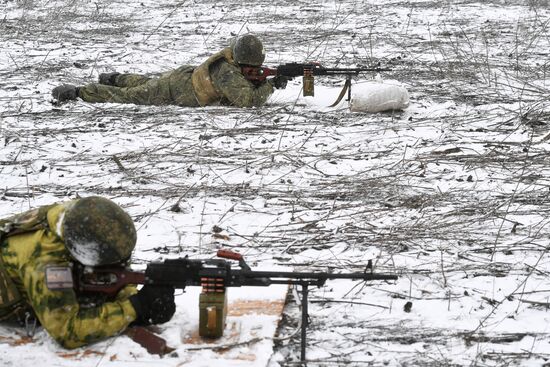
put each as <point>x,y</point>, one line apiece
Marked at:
<point>171,88</point>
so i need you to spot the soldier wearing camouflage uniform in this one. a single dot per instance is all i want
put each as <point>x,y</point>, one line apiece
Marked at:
<point>217,81</point>
<point>39,251</point>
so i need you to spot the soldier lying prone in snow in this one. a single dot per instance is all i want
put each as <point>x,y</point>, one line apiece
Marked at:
<point>217,81</point>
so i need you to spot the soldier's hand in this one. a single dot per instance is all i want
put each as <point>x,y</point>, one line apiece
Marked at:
<point>279,82</point>
<point>154,304</point>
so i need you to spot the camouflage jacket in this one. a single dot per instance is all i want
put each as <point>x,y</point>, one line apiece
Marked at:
<point>217,81</point>
<point>25,253</point>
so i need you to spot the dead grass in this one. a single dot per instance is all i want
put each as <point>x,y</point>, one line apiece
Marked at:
<point>458,184</point>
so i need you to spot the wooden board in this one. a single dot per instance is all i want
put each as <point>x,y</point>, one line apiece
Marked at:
<point>253,316</point>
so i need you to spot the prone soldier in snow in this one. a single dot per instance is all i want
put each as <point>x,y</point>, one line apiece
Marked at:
<point>39,252</point>
<point>217,81</point>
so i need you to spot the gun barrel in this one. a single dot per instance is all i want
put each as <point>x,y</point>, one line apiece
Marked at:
<point>341,71</point>
<point>289,275</point>
<point>296,69</point>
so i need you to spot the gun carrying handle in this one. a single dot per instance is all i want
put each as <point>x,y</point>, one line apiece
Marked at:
<point>227,254</point>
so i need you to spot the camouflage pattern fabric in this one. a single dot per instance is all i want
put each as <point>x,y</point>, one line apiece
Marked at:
<point>25,257</point>
<point>24,222</point>
<point>173,88</point>
<point>203,87</point>
<point>236,89</point>
<point>176,88</point>
<point>10,298</point>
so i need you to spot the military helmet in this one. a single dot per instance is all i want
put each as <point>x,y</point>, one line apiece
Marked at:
<point>98,232</point>
<point>248,50</point>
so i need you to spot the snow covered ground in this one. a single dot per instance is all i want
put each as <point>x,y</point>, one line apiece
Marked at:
<point>451,194</point>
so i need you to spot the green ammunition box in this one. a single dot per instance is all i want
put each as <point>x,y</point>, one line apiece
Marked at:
<point>308,85</point>
<point>212,314</point>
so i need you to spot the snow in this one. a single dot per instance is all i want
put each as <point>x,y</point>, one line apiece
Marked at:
<point>451,194</point>
<point>86,252</point>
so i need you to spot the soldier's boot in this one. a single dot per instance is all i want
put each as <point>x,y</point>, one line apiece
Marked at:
<point>65,92</point>
<point>108,78</point>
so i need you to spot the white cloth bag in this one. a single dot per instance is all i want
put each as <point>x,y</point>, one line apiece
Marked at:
<point>378,97</point>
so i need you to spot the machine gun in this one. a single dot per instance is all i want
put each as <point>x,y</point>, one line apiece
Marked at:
<point>308,72</point>
<point>214,275</point>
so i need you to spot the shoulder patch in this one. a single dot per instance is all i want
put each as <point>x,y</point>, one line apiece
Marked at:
<point>59,278</point>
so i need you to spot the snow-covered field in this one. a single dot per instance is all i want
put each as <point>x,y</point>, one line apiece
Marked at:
<point>451,194</point>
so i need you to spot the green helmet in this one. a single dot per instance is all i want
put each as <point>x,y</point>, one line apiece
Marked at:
<point>248,50</point>
<point>98,232</point>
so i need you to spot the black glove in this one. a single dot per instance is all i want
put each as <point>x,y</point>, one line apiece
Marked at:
<point>108,78</point>
<point>65,92</point>
<point>279,81</point>
<point>154,304</point>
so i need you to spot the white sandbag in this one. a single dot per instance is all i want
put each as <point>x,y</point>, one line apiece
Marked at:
<point>378,97</point>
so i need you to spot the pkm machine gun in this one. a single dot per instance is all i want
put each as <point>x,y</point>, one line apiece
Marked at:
<point>308,72</point>
<point>214,275</point>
